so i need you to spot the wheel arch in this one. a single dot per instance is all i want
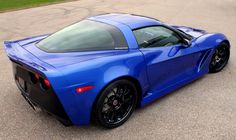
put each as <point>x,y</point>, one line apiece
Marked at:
<point>211,40</point>
<point>126,77</point>
<point>227,54</point>
<point>226,41</point>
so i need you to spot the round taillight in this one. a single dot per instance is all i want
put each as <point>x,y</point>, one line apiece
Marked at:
<point>34,77</point>
<point>45,84</point>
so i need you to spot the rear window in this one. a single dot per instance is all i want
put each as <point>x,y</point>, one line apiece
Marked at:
<point>85,35</point>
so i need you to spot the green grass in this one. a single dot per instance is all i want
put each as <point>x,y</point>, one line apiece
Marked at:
<point>7,5</point>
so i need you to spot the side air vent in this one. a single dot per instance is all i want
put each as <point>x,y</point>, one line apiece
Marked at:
<point>203,59</point>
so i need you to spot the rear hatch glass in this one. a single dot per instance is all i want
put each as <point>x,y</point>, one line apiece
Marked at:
<point>85,35</point>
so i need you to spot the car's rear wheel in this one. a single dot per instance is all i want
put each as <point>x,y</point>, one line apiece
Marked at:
<point>116,103</point>
<point>220,58</point>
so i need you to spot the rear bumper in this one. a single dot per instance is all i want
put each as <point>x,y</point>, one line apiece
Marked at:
<point>36,97</point>
<point>33,104</point>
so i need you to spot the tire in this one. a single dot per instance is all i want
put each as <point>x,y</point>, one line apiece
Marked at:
<point>115,104</point>
<point>220,58</point>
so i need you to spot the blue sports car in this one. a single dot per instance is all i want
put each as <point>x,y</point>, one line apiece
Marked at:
<point>105,66</point>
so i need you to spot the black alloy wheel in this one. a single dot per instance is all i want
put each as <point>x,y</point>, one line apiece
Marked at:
<point>116,104</point>
<point>220,58</point>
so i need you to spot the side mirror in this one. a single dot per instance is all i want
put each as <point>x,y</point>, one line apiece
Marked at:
<point>186,43</point>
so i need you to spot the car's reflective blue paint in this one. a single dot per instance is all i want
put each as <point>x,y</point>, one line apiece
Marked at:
<point>157,70</point>
<point>129,20</point>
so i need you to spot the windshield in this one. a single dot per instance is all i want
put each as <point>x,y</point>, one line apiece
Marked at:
<point>85,35</point>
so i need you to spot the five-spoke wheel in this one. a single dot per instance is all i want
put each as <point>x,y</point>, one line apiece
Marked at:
<point>116,103</point>
<point>220,58</point>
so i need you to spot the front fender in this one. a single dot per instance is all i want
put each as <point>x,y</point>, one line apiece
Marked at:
<point>207,44</point>
<point>210,41</point>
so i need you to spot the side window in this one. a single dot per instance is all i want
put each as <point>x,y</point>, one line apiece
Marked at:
<point>156,36</point>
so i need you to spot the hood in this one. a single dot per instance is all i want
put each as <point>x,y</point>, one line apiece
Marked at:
<point>190,31</point>
<point>58,60</point>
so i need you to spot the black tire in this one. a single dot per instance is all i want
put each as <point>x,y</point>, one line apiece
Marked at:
<point>220,58</point>
<point>115,104</point>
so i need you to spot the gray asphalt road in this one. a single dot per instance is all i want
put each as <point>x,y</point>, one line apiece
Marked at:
<point>204,109</point>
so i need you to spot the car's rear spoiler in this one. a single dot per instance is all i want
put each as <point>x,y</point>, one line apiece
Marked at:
<point>19,55</point>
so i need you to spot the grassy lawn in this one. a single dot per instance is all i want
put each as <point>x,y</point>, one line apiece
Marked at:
<point>6,5</point>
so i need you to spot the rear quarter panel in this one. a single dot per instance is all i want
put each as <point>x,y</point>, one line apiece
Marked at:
<point>98,73</point>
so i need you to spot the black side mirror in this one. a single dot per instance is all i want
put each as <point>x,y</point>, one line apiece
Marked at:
<point>186,43</point>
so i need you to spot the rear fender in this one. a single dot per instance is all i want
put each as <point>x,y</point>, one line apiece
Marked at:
<point>99,74</point>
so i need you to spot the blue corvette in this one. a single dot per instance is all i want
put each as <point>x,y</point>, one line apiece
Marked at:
<point>103,67</point>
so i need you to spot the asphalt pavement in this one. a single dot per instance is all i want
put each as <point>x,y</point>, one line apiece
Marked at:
<point>203,109</point>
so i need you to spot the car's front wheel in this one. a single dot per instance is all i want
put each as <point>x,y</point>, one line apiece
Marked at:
<point>116,103</point>
<point>220,58</point>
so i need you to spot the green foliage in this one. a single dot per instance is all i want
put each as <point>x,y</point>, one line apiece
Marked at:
<point>20,4</point>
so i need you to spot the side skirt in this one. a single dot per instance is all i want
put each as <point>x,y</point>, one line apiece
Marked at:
<point>152,96</point>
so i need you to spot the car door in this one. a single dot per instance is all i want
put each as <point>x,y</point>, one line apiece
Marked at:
<point>168,60</point>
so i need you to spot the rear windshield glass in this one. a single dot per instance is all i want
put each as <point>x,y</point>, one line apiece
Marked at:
<point>85,35</point>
